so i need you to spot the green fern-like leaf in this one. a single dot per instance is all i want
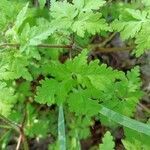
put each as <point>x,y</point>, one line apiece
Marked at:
<point>81,103</point>
<point>108,142</point>
<point>7,99</point>
<point>76,78</point>
<point>81,18</point>
<point>142,39</point>
<point>130,20</point>
<point>134,24</point>
<point>88,5</point>
<point>14,66</point>
<point>52,91</point>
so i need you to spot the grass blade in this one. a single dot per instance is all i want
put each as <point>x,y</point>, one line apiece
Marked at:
<point>61,129</point>
<point>125,121</point>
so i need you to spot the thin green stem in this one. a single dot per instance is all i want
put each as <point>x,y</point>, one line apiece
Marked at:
<point>4,134</point>
<point>11,123</point>
<point>5,126</point>
<point>24,139</point>
<point>25,143</point>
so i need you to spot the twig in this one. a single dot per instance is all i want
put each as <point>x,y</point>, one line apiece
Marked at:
<point>106,41</point>
<point>22,137</point>
<point>24,140</point>
<point>113,49</point>
<point>101,46</point>
<point>72,43</point>
<point>54,46</point>
<point>96,47</point>
<point>144,108</point>
<point>40,45</point>
<point>19,129</point>
<point>19,142</point>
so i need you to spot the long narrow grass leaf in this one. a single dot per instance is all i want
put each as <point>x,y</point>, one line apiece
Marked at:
<point>125,121</point>
<point>61,129</point>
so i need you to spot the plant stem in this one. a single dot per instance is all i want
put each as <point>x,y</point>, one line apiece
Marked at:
<point>105,42</point>
<point>144,108</point>
<point>96,47</point>
<point>18,128</point>
<point>24,139</point>
<point>54,46</point>
<point>10,122</point>
<point>113,49</point>
<point>40,45</point>
<point>25,144</point>
<point>4,134</point>
<point>19,142</point>
<point>5,126</point>
<point>9,45</point>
